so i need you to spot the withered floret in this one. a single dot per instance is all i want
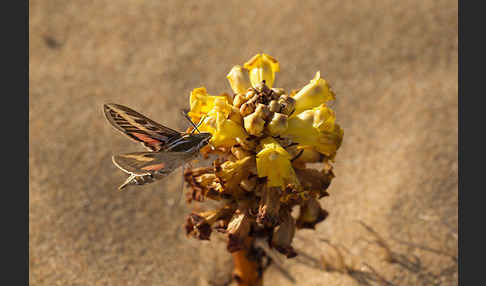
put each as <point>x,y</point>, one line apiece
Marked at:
<point>268,211</point>
<point>311,214</point>
<point>238,229</point>
<point>284,234</point>
<point>199,225</point>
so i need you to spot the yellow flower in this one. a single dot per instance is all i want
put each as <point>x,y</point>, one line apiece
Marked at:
<point>265,140</point>
<point>316,128</point>
<point>216,112</point>
<point>262,67</point>
<point>273,162</point>
<point>239,79</point>
<point>313,94</point>
<point>226,133</point>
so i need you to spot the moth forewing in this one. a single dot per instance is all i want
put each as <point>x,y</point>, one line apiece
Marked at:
<point>154,136</point>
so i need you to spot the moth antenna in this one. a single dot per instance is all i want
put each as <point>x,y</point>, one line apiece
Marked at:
<point>200,122</point>
<point>184,113</point>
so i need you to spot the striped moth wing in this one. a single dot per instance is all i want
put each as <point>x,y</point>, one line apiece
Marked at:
<point>142,163</point>
<point>147,167</point>
<point>154,136</point>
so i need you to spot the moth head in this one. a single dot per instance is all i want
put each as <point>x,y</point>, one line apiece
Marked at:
<point>204,138</point>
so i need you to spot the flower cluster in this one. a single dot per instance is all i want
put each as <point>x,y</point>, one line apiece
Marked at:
<point>264,139</point>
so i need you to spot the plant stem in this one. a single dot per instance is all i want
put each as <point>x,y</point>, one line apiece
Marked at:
<point>248,269</point>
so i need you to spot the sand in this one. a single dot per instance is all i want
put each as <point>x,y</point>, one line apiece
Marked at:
<point>392,64</point>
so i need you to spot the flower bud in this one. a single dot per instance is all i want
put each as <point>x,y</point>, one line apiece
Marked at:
<point>254,123</point>
<point>274,106</point>
<point>239,100</point>
<point>263,110</point>
<point>262,67</point>
<point>239,79</point>
<point>278,124</point>
<point>313,94</point>
<point>247,108</point>
<point>287,104</point>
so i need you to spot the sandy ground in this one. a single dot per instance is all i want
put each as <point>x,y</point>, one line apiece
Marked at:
<point>392,64</point>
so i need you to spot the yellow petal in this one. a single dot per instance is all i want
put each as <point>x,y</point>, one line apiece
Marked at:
<point>239,79</point>
<point>273,162</point>
<point>226,134</point>
<point>313,94</point>
<point>324,119</point>
<point>201,103</point>
<point>220,107</point>
<point>316,128</point>
<point>262,67</point>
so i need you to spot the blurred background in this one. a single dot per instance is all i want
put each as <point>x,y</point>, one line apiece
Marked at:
<point>393,204</point>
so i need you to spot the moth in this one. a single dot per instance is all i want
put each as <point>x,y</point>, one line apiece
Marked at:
<point>168,149</point>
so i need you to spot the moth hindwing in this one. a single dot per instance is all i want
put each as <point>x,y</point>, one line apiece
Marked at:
<point>147,167</point>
